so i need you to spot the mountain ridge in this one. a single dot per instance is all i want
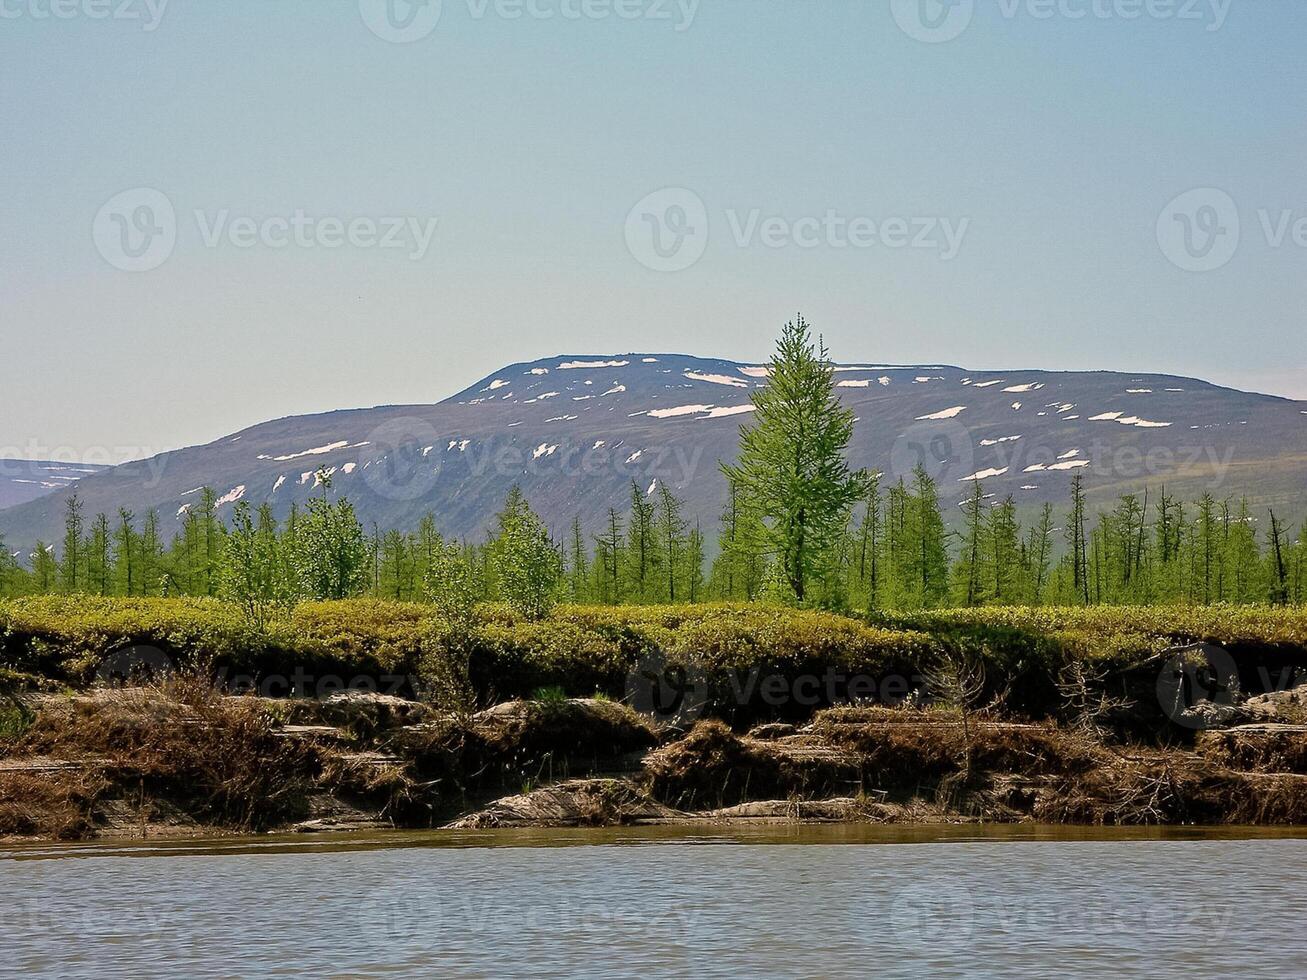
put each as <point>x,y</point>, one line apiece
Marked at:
<point>576,429</point>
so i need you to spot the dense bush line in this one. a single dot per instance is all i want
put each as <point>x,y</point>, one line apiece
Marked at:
<point>70,637</point>
<point>584,649</point>
<point>1118,634</point>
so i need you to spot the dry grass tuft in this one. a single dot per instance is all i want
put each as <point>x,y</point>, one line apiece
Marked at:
<point>712,767</point>
<point>215,757</point>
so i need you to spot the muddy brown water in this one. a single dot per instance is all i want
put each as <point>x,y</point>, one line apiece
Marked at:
<point>779,901</point>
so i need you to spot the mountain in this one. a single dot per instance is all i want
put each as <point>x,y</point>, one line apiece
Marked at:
<point>575,431</point>
<point>23,480</point>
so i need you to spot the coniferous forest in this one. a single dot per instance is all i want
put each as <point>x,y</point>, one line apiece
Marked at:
<point>797,527</point>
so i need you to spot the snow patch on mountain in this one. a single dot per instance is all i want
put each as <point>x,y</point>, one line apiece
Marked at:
<point>717,379</point>
<point>680,410</point>
<point>583,365</point>
<point>984,475</point>
<point>948,413</point>
<point>727,410</point>
<point>319,451</point>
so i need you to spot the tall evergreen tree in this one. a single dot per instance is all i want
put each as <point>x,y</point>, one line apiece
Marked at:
<point>71,564</point>
<point>1003,553</point>
<point>641,545</point>
<point>869,545</point>
<point>1279,567</point>
<point>971,584</point>
<point>924,544</point>
<point>670,532</point>
<point>126,555</point>
<point>1076,539</point>
<point>739,568</point>
<point>46,573</point>
<point>151,552</point>
<point>694,558</point>
<point>1040,550</point>
<point>608,560</point>
<point>791,463</point>
<point>578,569</point>
<point>98,564</point>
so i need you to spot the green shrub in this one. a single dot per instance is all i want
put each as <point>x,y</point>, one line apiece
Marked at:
<point>584,649</point>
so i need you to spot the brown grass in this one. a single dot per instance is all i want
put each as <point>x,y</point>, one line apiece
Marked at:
<point>712,767</point>
<point>56,805</point>
<point>183,754</point>
<point>521,742</point>
<point>1263,748</point>
<point>217,758</point>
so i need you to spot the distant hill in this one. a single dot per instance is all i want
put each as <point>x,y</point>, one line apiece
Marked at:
<point>24,480</point>
<point>575,430</point>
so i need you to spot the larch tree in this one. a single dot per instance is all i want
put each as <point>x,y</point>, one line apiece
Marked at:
<point>70,566</point>
<point>694,556</point>
<point>925,544</point>
<point>971,583</point>
<point>1040,551</point>
<point>1075,533</point>
<point>670,529</point>
<point>578,569</point>
<point>608,560</point>
<point>126,554</point>
<point>791,464</point>
<point>869,544</point>
<point>641,543</point>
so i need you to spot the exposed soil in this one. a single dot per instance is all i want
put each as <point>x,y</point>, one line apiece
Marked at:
<point>181,759</point>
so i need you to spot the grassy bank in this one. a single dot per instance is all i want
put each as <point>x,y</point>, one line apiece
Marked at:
<point>580,648</point>
<point>1117,634</point>
<point>589,649</point>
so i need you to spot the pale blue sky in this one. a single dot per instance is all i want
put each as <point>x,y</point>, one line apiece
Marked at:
<point>1057,141</point>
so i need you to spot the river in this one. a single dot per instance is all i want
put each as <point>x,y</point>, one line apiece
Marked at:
<point>666,902</point>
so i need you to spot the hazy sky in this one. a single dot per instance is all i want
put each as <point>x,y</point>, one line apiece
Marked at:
<point>1001,198</point>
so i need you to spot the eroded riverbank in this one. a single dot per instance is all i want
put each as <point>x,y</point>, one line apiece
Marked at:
<point>182,759</point>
